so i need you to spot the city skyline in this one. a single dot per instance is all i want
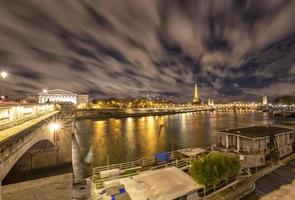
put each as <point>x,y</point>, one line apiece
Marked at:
<point>233,49</point>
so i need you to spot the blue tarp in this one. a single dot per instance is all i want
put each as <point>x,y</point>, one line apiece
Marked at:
<point>121,191</point>
<point>162,157</point>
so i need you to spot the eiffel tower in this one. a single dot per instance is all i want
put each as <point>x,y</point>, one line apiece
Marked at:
<point>196,99</point>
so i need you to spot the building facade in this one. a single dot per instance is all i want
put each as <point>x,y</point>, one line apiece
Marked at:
<point>82,99</point>
<point>258,144</point>
<point>30,98</point>
<point>57,95</point>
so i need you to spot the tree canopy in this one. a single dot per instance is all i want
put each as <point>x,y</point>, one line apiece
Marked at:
<point>285,99</point>
<point>214,167</point>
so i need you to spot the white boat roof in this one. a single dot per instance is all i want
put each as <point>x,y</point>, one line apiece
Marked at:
<point>163,184</point>
<point>191,151</point>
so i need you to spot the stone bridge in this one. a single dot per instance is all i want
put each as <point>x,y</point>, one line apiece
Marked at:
<point>25,129</point>
<point>14,147</point>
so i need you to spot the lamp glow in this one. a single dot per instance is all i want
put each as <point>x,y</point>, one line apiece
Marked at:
<point>54,126</point>
<point>3,74</point>
<point>44,91</point>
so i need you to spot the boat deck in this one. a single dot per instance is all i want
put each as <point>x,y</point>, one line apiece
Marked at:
<point>178,159</point>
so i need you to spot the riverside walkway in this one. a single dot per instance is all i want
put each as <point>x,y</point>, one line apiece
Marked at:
<point>273,181</point>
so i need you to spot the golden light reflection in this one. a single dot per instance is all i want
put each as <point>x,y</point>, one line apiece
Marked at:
<point>100,142</point>
<point>117,122</point>
<point>184,122</point>
<point>151,135</point>
<point>130,135</point>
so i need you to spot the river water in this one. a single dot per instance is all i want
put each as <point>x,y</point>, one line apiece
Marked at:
<point>99,142</point>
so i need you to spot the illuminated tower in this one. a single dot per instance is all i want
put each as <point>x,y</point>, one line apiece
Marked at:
<point>264,100</point>
<point>196,95</point>
<point>210,102</point>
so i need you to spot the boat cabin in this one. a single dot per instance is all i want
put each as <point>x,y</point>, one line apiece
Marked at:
<point>257,144</point>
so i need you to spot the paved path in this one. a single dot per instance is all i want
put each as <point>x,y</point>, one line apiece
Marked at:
<point>12,131</point>
<point>273,181</point>
<point>57,187</point>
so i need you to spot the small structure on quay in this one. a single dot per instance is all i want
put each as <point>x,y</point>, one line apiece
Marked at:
<point>257,144</point>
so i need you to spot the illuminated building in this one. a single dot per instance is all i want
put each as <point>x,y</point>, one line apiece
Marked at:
<point>196,94</point>
<point>57,95</point>
<point>210,102</point>
<point>264,100</point>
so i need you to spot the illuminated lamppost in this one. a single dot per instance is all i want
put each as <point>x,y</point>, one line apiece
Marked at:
<point>43,99</point>
<point>3,75</point>
<point>54,127</point>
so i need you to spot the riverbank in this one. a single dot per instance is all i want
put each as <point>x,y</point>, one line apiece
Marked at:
<point>98,114</point>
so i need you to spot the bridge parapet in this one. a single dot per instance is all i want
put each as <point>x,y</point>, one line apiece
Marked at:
<point>15,115</point>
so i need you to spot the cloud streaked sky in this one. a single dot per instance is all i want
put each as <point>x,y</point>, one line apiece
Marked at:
<point>235,49</point>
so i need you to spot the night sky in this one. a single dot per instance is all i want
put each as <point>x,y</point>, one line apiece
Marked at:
<point>234,49</point>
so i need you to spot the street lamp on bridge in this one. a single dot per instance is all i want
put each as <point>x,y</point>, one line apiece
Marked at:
<point>54,126</point>
<point>3,74</point>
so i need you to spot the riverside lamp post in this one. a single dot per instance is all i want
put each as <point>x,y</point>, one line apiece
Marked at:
<point>3,76</point>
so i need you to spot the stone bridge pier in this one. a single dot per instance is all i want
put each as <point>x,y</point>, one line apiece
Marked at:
<point>39,146</point>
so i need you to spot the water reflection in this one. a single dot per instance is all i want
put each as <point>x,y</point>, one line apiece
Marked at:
<point>119,140</point>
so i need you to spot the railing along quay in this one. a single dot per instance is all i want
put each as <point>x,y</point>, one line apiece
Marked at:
<point>143,164</point>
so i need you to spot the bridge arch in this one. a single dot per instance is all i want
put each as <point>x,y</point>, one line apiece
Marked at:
<point>14,151</point>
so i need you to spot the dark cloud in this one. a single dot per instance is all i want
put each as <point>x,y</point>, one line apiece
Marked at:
<point>235,49</point>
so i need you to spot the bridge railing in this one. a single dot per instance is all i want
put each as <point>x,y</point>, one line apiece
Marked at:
<point>15,115</point>
<point>15,142</point>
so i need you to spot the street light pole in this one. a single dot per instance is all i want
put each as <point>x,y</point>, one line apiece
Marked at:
<point>3,75</point>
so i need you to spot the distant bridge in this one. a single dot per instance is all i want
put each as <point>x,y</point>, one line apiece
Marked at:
<point>234,106</point>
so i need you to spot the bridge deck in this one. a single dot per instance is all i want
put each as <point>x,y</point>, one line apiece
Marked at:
<point>12,131</point>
